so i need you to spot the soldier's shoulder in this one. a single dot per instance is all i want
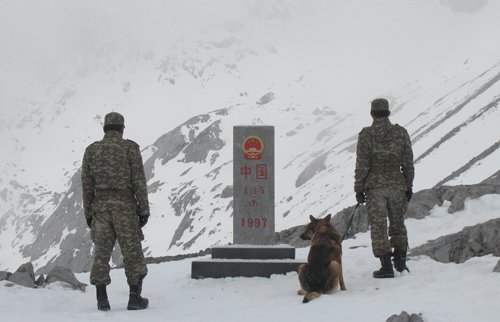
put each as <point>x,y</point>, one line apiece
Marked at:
<point>365,131</point>
<point>92,145</point>
<point>133,143</point>
<point>400,128</point>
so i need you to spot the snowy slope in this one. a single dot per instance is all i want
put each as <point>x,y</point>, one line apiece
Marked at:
<point>323,62</point>
<point>440,292</point>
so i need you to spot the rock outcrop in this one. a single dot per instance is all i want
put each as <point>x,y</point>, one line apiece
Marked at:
<point>479,240</point>
<point>405,317</point>
<point>63,274</point>
<point>25,276</point>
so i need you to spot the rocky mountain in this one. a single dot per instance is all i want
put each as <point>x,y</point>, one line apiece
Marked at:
<point>316,96</point>
<point>189,171</point>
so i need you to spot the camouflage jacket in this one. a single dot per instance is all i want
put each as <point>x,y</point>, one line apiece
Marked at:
<point>384,157</point>
<point>113,164</point>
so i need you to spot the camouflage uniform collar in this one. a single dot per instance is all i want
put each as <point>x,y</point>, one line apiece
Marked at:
<point>112,135</point>
<point>381,121</point>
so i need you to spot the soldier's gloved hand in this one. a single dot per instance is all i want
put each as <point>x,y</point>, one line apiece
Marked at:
<point>360,197</point>
<point>409,194</point>
<point>89,222</point>
<point>143,220</point>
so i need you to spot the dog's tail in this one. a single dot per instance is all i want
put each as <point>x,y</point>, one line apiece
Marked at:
<point>311,296</point>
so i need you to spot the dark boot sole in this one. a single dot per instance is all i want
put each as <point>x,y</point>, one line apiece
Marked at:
<point>136,308</point>
<point>384,276</point>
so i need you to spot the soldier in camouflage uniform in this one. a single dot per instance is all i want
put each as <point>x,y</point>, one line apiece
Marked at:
<point>384,179</point>
<point>116,207</point>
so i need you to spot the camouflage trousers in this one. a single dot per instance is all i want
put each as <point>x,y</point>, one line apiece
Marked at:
<point>116,219</point>
<point>383,204</point>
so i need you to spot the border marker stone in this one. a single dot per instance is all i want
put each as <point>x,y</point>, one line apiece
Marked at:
<point>254,252</point>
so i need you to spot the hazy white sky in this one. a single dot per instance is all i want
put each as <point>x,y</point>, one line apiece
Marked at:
<point>42,42</point>
<point>65,63</point>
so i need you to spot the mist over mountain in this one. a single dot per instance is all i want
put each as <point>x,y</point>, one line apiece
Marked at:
<point>183,74</point>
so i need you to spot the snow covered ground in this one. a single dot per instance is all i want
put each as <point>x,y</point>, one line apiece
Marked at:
<point>441,292</point>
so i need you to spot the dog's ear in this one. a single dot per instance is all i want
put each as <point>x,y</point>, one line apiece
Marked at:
<point>311,217</point>
<point>328,218</point>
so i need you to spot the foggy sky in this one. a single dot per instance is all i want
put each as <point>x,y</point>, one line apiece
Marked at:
<point>43,41</point>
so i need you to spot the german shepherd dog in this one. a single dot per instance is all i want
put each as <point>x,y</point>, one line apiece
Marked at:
<point>323,271</point>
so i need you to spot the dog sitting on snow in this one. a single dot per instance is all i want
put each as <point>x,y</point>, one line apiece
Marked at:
<point>323,271</point>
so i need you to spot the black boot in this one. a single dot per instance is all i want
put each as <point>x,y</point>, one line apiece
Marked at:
<point>400,260</point>
<point>386,270</point>
<point>102,298</point>
<point>135,301</point>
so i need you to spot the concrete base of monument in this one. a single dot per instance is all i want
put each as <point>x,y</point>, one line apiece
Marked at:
<point>254,252</point>
<point>246,261</point>
<point>219,268</point>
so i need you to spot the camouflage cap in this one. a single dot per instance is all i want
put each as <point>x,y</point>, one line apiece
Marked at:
<point>380,104</point>
<point>114,118</point>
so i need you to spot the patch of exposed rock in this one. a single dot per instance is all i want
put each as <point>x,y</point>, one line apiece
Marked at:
<point>479,240</point>
<point>405,317</point>
<point>424,200</point>
<point>63,274</point>
<point>25,276</point>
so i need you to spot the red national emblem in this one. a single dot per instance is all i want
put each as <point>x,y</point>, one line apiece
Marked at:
<point>252,148</point>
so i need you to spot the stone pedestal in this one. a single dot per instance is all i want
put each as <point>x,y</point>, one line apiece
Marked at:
<point>246,261</point>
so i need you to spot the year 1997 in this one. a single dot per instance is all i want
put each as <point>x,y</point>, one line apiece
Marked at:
<point>254,222</point>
